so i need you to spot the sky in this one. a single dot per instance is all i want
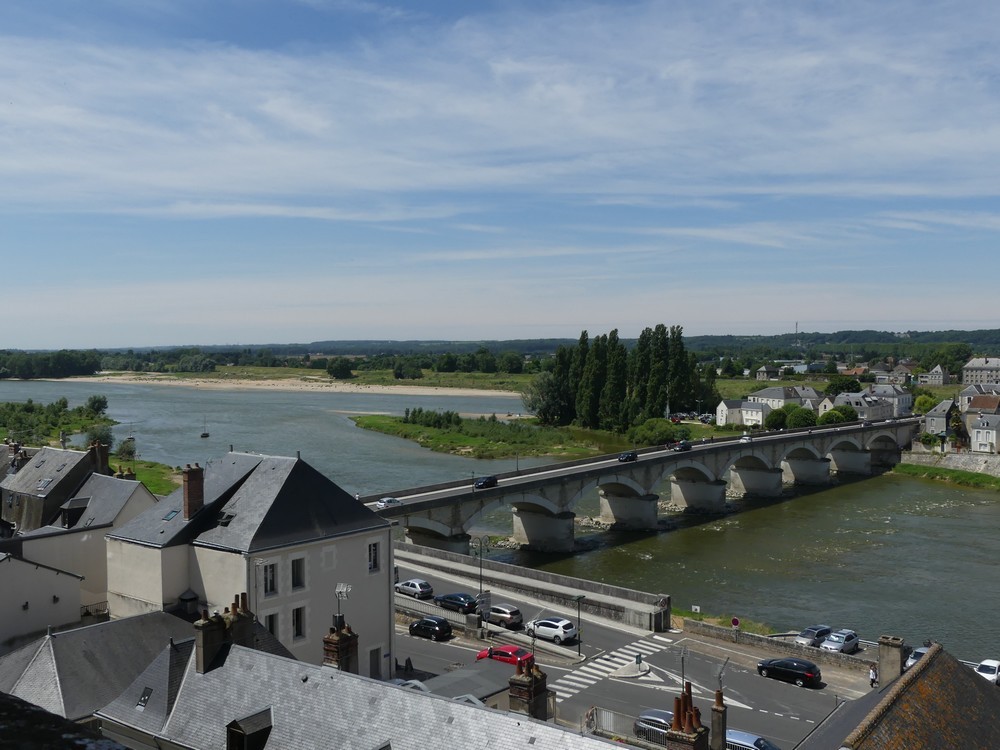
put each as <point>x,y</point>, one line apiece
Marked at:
<point>178,172</point>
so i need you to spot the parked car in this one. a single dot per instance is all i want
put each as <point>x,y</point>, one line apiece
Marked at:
<point>555,629</point>
<point>628,456</point>
<point>916,655</point>
<point>739,740</point>
<point>844,641</point>
<point>652,725</point>
<point>813,636</point>
<point>682,445</point>
<point>509,654</point>
<point>461,603</point>
<point>415,587</point>
<point>483,482</point>
<point>505,615</point>
<point>432,626</point>
<point>789,669</point>
<point>387,502</point>
<point>989,669</point>
<point>746,438</point>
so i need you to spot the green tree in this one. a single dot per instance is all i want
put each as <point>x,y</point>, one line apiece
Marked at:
<point>512,362</point>
<point>830,417</point>
<point>588,397</point>
<point>545,397</point>
<point>638,376</point>
<point>613,408</point>
<point>97,405</point>
<point>340,368</point>
<point>776,420</point>
<point>924,404</point>
<point>841,384</point>
<point>101,433</point>
<point>658,431</point>
<point>657,396</point>
<point>801,417</point>
<point>849,413</point>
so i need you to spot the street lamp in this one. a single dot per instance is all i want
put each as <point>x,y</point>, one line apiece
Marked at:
<point>579,625</point>
<point>480,545</point>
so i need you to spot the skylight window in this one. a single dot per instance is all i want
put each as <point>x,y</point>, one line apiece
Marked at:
<point>170,515</point>
<point>43,483</point>
<point>144,699</point>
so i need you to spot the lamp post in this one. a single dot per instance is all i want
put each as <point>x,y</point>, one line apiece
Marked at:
<point>480,545</point>
<point>579,625</point>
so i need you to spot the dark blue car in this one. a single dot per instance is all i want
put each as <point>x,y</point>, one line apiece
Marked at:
<point>483,482</point>
<point>461,603</point>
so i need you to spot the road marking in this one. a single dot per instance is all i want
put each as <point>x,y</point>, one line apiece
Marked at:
<point>597,670</point>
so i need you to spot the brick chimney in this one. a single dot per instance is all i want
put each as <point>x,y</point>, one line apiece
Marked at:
<point>340,646</point>
<point>194,490</point>
<point>890,658</point>
<point>687,731</point>
<point>529,693</point>
<point>209,638</point>
<point>239,621</point>
<point>99,457</point>
<point>718,739</point>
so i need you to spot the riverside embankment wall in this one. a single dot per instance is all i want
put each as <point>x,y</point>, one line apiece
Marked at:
<point>979,463</point>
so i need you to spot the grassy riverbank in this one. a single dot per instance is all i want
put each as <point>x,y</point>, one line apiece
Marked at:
<point>494,438</point>
<point>954,476</point>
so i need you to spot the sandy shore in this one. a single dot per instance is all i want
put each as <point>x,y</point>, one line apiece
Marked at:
<point>289,384</point>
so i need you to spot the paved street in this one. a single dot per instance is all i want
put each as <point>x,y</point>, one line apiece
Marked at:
<point>780,711</point>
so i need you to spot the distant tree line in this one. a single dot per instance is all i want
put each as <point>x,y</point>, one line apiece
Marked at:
<point>601,384</point>
<point>61,364</point>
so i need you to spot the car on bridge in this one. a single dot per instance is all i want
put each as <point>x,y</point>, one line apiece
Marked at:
<point>789,669</point>
<point>415,587</point>
<point>628,456</point>
<point>461,603</point>
<point>483,482</point>
<point>746,438</point>
<point>681,445</point>
<point>387,502</point>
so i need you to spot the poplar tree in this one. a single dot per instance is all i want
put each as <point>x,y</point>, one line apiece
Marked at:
<point>613,410</point>
<point>588,395</point>
<point>657,396</point>
<point>638,376</point>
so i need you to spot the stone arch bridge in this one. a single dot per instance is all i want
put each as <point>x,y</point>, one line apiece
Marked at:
<point>543,499</point>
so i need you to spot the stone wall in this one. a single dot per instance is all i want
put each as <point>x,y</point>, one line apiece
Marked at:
<point>785,647</point>
<point>980,463</point>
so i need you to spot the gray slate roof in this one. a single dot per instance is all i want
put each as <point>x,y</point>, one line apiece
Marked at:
<point>52,464</point>
<point>74,672</point>
<point>103,497</point>
<point>312,706</point>
<point>254,503</point>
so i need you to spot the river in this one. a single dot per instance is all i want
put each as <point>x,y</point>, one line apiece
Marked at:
<point>888,555</point>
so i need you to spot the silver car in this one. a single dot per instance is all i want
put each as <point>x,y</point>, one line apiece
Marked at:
<point>844,641</point>
<point>813,636</point>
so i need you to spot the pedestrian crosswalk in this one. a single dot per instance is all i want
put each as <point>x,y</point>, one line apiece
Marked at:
<point>596,670</point>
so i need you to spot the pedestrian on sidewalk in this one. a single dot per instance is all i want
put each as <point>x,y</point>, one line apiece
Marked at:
<point>873,675</point>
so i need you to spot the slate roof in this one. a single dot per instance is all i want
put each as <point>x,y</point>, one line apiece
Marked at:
<point>102,496</point>
<point>942,409</point>
<point>313,706</point>
<point>254,503</point>
<point>939,703</point>
<point>50,464</point>
<point>72,673</point>
<point>787,392</point>
<point>987,363</point>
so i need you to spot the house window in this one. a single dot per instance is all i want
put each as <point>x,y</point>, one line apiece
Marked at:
<point>271,623</point>
<point>270,579</point>
<point>373,557</point>
<point>298,573</point>
<point>299,622</point>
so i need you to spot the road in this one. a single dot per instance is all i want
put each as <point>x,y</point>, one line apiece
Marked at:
<point>782,712</point>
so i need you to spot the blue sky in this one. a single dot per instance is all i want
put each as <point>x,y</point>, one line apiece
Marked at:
<point>245,172</point>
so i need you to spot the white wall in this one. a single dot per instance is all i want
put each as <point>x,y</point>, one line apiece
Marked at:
<point>53,598</point>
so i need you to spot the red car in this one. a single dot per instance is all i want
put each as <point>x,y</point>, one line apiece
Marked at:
<point>509,654</point>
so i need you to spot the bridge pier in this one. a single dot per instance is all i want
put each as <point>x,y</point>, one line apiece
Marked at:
<point>543,531</point>
<point>689,494</point>
<point>808,471</point>
<point>885,457</point>
<point>755,482</point>
<point>851,462</point>
<point>636,512</point>
<point>458,543</point>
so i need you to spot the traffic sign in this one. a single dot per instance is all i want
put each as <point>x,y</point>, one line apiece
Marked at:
<point>484,600</point>
<point>736,622</point>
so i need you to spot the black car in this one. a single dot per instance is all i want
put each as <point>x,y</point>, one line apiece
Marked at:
<point>628,456</point>
<point>682,445</point>
<point>462,603</point>
<point>433,627</point>
<point>483,482</point>
<point>799,671</point>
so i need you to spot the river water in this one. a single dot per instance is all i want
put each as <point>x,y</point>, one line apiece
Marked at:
<point>887,555</point>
